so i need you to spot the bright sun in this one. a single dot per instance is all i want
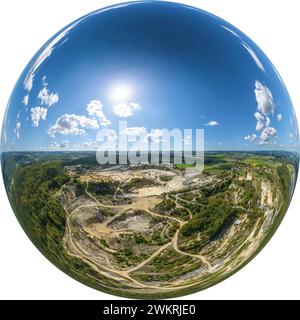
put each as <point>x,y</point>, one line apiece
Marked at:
<point>120,92</point>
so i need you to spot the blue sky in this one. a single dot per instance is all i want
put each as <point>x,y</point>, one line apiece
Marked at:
<point>155,65</point>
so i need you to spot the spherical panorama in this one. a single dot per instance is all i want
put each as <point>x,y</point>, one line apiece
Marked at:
<point>149,149</point>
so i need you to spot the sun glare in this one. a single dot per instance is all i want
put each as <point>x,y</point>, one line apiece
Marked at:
<point>120,92</point>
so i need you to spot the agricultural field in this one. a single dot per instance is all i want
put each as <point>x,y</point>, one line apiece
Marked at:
<point>147,231</point>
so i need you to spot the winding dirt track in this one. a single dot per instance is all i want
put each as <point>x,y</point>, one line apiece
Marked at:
<point>78,243</point>
<point>138,204</point>
<point>141,201</point>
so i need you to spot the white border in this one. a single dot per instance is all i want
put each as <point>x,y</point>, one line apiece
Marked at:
<point>26,25</point>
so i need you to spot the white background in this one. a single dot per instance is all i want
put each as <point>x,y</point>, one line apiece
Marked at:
<point>25,25</point>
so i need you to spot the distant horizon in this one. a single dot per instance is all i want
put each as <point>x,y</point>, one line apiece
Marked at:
<point>95,150</point>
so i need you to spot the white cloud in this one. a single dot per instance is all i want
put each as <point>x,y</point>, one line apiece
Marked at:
<point>264,98</point>
<point>28,82</point>
<point>251,137</point>
<point>17,130</point>
<point>47,98</point>
<point>124,110</point>
<point>64,144</point>
<point>87,144</point>
<point>260,121</point>
<point>44,81</point>
<point>212,123</point>
<point>26,100</point>
<point>133,132</point>
<point>45,53</point>
<point>135,106</point>
<point>37,114</point>
<point>291,138</point>
<point>187,140</point>
<point>54,145</point>
<point>4,136</point>
<point>254,56</point>
<point>71,124</point>
<point>266,108</point>
<point>94,108</point>
<point>266,135</point>
<point>279,117</point>
<point>110,136</point>
<point>156,135</point>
